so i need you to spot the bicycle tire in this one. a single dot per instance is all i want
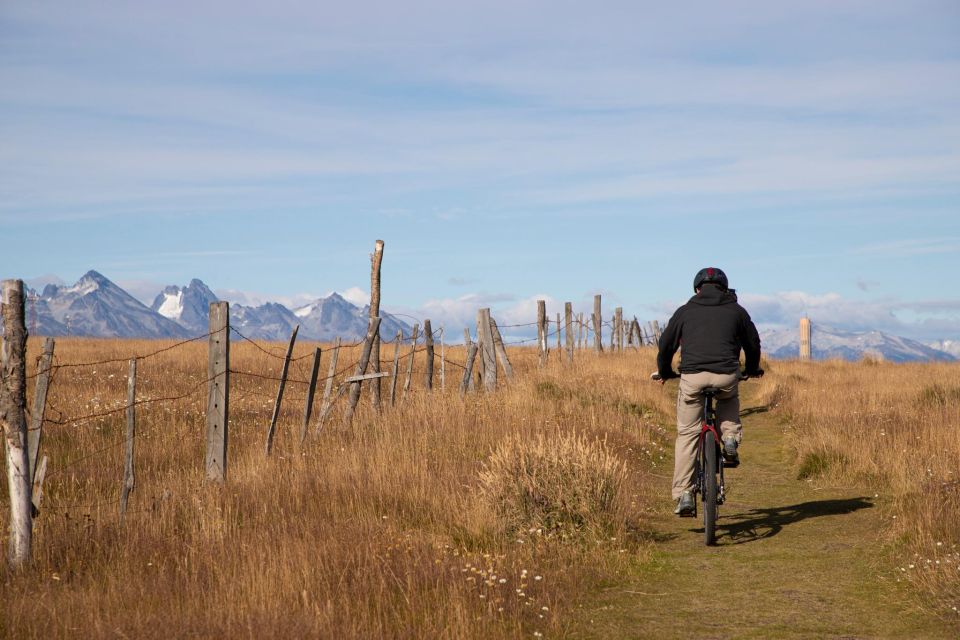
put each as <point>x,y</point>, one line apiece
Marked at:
<point>709,489</point>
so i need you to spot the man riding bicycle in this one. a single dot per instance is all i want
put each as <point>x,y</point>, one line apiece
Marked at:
<point>712,328</point>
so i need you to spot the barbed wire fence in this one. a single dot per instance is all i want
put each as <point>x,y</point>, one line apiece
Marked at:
<point>489,348</point>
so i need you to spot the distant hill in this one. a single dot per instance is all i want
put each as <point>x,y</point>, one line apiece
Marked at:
<point>828,342</point>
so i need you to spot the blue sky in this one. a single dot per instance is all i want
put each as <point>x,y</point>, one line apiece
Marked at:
<point>504,151</point>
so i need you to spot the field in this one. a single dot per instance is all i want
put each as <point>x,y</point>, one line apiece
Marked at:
<point>497,515</point>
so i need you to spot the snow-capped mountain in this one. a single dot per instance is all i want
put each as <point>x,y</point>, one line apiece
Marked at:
<point>188,306</point>
<point>327,318</point>
<point>827,342</point>
<point>948,346</point>
<point>95,306</point>
<point>270,321</point>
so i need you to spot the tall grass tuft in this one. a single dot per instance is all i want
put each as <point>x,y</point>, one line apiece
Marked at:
<point>566,485</point>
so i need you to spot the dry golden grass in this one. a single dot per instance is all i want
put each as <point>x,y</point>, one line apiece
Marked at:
<point>894,429</point>
<point>380,530</point>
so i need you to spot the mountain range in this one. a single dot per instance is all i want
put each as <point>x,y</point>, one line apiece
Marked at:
<point>97,307</point>
<point>828,342</point>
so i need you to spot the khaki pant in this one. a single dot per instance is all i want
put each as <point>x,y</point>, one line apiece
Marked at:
<point>689,419</point>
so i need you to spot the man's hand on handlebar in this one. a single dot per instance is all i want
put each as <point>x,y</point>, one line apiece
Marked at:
<point>663,379</point>
<point>757,373</point>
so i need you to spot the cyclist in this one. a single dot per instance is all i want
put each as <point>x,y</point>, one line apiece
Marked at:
<point>710,329</point>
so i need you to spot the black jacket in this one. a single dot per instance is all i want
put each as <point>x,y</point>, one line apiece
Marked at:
<point>712,328</point>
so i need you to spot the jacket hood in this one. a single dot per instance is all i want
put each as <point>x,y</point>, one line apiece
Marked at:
<point>711,296</point>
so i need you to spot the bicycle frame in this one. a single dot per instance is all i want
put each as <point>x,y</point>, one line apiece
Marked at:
<point>709,426</point>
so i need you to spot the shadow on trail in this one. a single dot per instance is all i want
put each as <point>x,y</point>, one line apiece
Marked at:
<point>757,524</point>
<point>749,411</point>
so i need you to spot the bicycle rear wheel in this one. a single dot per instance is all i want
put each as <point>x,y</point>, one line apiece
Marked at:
<point>709,489</point>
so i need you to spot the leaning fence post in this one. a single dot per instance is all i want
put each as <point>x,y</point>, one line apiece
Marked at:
<point>39,405</point>
<point>311,391</point>
<point>13,406</point>
<point>39,475</point>
<point>413,353</point>
<point>283,383</point>
<point>467,382</point>
<point>361,369</point>
<point>218,391</point>
<point>489,358</point>
<point>597,325</point>
<point>129,479</point>
<point>328,384</point>
<point>542,331</point>
<point>376,259</point>
<point>501,351</point>
<point>467,342</point>
<point>568,318</point>
<point>428,342</point>
<point>396,368</point>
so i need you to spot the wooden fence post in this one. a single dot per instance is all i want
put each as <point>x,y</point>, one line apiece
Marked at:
<point>129,479</point>
<point>467,342</point>
<point>443,361</point>
<point>568,318</point>
<point>39,475</point>
<point>372,332</point>
<point>467,382</point>
<point>311,391</point>
<point>283,383</point>
<point>376,259</point>
<point>559,333</point>
<point>413,353</point>
<point>487,350</point>
<point>656,331</point>
<point>396,368</point>
<point>218,391</point>
<point>618,327</point>
<point>39,405</point>
<point>428,342</point>
<point>597,325</point>
<point>542,331</point>
<point>501,351</point>
<point>13,407</point>
<point>328,385</point>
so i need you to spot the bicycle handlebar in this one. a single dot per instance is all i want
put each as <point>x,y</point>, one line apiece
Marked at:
<point>743,376</point>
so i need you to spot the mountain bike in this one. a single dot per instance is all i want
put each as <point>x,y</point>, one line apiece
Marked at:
<point>709,483</point>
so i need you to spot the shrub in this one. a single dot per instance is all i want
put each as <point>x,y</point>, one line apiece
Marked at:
<point>563,486</point>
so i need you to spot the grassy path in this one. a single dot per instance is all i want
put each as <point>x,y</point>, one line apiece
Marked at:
<point>794,560</point>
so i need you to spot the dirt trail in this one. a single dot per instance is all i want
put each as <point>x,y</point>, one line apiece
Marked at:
<point>794,559</point>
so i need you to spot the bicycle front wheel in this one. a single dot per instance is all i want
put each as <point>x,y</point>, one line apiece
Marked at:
<point>709,489</point>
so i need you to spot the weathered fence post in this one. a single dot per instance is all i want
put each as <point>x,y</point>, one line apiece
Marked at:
<point>372,332</point>
<point>283,383</point>
<point>568,318</point>
<point>597,325</point>
<point>428,342</point>
<point>467,382</point>
<point>311,391</point>
<point>13,407</point>
<point>467,342</point>
<point>559,333</point>
<point>218,391</point>
<point>39,405</point>
<point>328,385</point>
<point>487,350</point>
<point>376,259</point>
<point>501,350</point>
<point>38,476</point>
<point>413,353</point>
<point>656,331</point>
<point>618,327</point>
<point>443,361</point>
<point>542,331</point>
<point>396,368</point>
<point>129,479</point>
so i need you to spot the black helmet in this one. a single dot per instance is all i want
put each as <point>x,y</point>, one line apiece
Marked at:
<point>710,275</point>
